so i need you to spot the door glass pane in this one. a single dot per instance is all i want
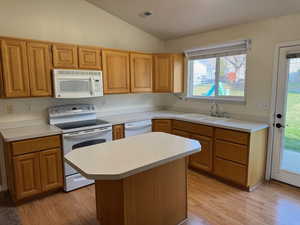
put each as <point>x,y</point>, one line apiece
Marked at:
<point>232,75</point>
<point>203,76</point>
<point>291,145</point>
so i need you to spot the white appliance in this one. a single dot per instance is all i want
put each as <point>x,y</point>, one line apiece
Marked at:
<point>80,128</point>
<point>139,127</point>
<point>77,83</point>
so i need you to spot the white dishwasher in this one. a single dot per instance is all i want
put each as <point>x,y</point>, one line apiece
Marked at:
<point>139,127</point>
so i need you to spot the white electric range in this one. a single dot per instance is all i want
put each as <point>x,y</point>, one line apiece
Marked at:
<point>80,128</point>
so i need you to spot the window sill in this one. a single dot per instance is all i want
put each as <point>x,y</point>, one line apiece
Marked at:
<point>236,100</point>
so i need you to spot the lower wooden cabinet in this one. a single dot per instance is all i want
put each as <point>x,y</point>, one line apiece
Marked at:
<point>27,175</point>
<point>51,170</point>
<point>118,131</point>
<point>204,159</point>
<point>235,156</point>
<point>36,170</point>
<point>231,171</point>
<point>162,125</point>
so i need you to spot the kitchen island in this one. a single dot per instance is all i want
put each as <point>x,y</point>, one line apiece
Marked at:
<point>140,180</point>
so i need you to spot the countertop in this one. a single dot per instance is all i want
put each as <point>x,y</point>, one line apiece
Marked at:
<point>240,125</point>
<point>26,131</point>
<point>122,158</point>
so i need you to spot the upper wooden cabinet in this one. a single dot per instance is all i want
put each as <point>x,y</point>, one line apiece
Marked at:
<point>116,74</point>
<point>15,68</point>
<point>65,56</point>
<point>168,73</point>
<point>39,58</point>
<point>141,69</point>
<point>89,57</point>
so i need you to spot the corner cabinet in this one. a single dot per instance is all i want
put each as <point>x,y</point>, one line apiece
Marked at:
<point>15,68</point>
<point>65,56</point>
<point>233,156</point>
<point>141,71</point>
<point>33,166</point>
<point>168,73</point>
<point>39,61</point>
<point>116,73</point>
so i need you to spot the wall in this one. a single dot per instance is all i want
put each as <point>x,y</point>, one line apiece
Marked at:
<point>265,35</point>
<point>78,22</point>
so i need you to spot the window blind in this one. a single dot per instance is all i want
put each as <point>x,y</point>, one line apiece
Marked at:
<point>234,48</point>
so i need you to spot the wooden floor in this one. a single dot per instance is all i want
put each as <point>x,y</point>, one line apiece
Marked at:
<point>210,203</point>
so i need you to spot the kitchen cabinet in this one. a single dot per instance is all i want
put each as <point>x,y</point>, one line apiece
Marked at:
<point>141,70</point>
<point>39,62</point>
<point>204,159</point>
<point>235,156</point>
<point>65,56</point>
<point>89,57</point>
<point>33,166</point>
<point>118,131</point>
<point>51,170</point>
<point>116,73</point>
<point>162,125</point>
<point>27,175</point>
<point>15,68</point>
<point>200,160</point>
<point>168,73</point>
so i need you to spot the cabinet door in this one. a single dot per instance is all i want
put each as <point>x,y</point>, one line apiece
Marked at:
<point>115,72</point>
<point>15,68</point>
<point>118,131</point>
<point>65,56</point>
<point>51,169</point>
<point>39,59</point>
<point>162,126</point>
<point>163,71</point>
<point>203,160</point>
<point>89,58</point>
<point>27,175</point>
<point>181,133</point>
<point>141,72</point>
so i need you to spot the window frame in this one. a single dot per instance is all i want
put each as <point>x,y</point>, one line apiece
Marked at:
<point>217,98</point>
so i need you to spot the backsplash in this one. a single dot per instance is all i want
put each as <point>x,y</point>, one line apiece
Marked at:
<point>12,110</point>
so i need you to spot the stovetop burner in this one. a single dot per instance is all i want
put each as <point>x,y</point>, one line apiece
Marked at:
<point>80,124</point>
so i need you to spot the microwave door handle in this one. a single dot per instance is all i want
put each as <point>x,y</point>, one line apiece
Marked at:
<point>92,88</point>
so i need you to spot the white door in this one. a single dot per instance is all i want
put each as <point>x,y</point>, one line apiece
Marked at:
<point>286,154</point>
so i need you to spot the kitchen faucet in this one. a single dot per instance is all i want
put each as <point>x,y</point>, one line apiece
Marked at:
<point>215,111</point>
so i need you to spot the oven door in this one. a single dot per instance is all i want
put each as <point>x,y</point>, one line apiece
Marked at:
<point>75,140</point>
<point>74,86</point>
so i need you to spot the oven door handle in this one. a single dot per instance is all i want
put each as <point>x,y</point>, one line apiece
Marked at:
<point>88,133</point>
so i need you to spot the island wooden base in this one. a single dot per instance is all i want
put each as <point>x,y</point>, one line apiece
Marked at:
<point>155,197</point>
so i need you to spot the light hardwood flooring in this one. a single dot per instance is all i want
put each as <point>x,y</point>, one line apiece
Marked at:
<point>210,202</point>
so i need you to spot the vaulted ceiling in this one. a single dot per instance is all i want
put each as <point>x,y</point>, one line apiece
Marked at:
<point>176,18</point>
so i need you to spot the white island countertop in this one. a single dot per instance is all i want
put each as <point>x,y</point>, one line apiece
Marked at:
<point>122,158</point>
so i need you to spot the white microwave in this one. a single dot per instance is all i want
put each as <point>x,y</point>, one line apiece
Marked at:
<point>77,83</point>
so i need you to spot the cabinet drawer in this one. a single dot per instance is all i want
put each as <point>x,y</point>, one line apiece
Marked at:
<point>34,145</point>
<point>230,151</point>
<point>162,126</point>
<point>181,133</point>
<point>193,128</point>
<point>230,171</point>
<point>233,136</point>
